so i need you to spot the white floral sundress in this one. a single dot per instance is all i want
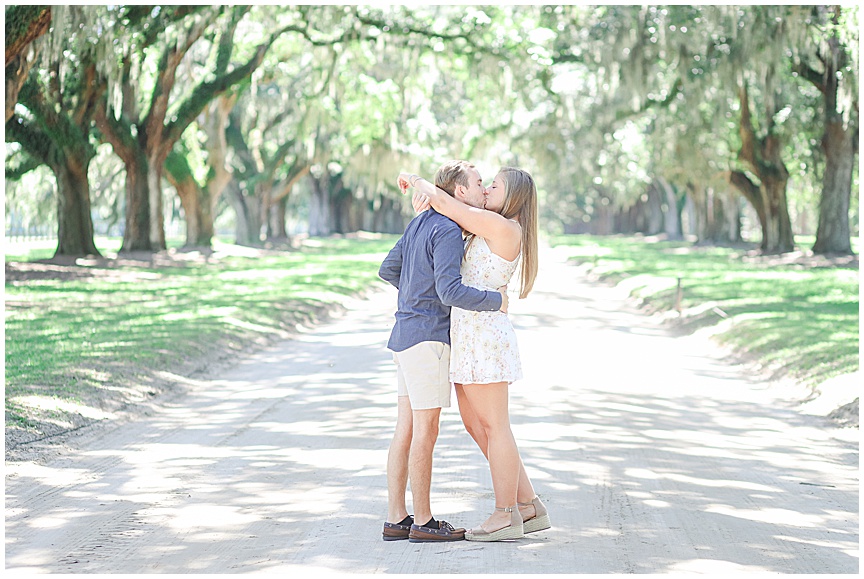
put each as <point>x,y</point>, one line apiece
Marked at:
<point>483,344</point>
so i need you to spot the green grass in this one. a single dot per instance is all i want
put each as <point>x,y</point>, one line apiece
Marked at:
<point>65,339</point>
<point>33,250</point>
<point>799,320</point>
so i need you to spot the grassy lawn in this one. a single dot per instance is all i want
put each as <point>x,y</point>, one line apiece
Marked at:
<point>78,335</point>
<point>85,339</point>
<point>795,318</point>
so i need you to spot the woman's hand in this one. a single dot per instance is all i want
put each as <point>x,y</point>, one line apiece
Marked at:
<point>404,181</point>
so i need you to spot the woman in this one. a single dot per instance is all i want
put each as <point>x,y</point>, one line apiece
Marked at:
<point>485,355</point>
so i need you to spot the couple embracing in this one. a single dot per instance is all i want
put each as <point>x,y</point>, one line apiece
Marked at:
<point>471,346</point>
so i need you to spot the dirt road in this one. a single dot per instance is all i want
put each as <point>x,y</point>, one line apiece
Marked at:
<point>652,454</point>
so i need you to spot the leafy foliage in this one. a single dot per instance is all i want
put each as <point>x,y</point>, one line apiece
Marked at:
<point>598,101</point>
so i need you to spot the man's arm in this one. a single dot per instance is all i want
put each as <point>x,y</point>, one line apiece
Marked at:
<point>447,258</point>
<point>391,268</point>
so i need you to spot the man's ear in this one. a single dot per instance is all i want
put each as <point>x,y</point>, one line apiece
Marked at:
<point>459,192</point>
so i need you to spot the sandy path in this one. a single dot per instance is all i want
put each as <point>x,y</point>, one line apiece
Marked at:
<point>652,454</point>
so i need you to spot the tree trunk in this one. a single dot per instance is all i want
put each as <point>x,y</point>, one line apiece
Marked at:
<point>689,215</point>
<point>276,223</point>
<point>75,223</point>
<point>144,143</point>
<point>722,221</point>
<point>839,143</point>
<point>653,210</point>
<point>56,133</point>
<point>214,121</point>
<point>196,202</point>
<point>763,156</point>
<point>136,236</point>
<point>833,234</point>
<point>701,213</point>
<point>341,211</point>
<point>206,218</point>
<point>779,236</point>
<point>247,220</point>
<point>671,210</point>
<point>603,220</point>
<point>839,140</point>
<point>188,192</point>
<point>732,212</point>
<point>320,222</point>
<point>157,218</point>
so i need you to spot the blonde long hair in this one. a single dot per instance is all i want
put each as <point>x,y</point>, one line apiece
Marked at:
<point>520,203</point>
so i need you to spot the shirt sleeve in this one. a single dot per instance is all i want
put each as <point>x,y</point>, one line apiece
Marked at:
<point>391,268</point>
<point>447,259</point>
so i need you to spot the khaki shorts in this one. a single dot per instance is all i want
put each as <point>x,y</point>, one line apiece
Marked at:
<point>423,374</point>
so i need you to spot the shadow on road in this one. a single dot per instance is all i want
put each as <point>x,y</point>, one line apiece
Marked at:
<point>651,458</point>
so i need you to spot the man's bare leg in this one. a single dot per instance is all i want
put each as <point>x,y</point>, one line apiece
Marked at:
<point>397,462</point>
<point>425,425</point>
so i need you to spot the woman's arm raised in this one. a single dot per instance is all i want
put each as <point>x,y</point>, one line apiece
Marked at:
<point>480,222</point>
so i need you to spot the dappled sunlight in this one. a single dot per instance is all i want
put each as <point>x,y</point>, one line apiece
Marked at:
<point>50,403</point>
<point>772,516</point>
<point>639,473</point>
<point>209,516</point>
<point>672,464</point>
<point>850,547</point>
<point>60,475</point>
<point>714,567</point>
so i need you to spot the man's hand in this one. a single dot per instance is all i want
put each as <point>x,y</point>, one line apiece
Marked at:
<point>505,301</point>
<point>420,202</point>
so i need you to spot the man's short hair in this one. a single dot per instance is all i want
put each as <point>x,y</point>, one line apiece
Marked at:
<point>452,173</point>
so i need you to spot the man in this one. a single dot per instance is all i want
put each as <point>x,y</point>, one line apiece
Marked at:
<point>424,266</point>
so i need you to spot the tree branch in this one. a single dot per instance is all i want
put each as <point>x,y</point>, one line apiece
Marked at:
<point>748,150</point>
<point>31,139</point>
<point>117,133</point>
<point>406,29</point>
<point>29,164</point>
<point>285,188</point>
<point>154,122</point>
<point>24,24</point>
<point>207,91</point>
<point>276,159</point>
<point>93,90</point>
<point>807,73</point>
<point>226,41</point>
<point>747,188</point>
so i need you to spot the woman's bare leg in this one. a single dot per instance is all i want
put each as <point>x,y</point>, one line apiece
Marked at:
<point>489,404</point>
<point>525,491</point>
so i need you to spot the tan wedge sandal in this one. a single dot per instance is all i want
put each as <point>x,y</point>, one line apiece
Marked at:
<point>512,531</point>
<point>540,521</point>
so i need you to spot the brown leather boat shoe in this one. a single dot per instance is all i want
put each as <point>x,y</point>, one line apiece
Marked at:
<point>445,532</point>
<point>397,531</point>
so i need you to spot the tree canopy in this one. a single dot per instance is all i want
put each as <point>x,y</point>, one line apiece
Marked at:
<point>711,121</point>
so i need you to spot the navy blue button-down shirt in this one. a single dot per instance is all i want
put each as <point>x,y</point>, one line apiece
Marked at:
<point>424,267</point>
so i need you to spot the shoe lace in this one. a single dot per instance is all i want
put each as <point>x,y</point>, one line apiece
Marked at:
<point>446,526</point>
